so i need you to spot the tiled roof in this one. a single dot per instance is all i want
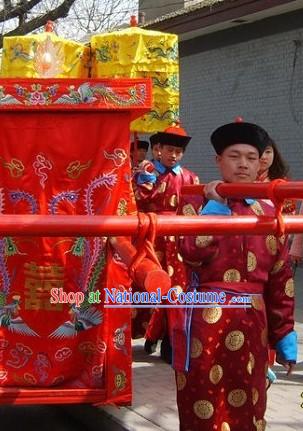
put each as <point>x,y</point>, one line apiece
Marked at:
<point>188,9</point>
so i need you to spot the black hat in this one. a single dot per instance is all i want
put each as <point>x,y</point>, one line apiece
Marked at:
<point>140,144</point>
<point>174,135</point>
<point>239,133</point>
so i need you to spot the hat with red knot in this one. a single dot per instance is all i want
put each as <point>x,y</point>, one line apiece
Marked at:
<point>239,132</point>
<point>174,135</point>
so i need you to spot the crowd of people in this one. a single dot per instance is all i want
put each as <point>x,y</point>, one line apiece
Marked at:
<point>221,354</point>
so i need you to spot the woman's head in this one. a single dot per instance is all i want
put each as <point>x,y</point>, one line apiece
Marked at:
<point>272,162</point>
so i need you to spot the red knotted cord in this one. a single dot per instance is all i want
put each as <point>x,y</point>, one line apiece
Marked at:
<point>278,203</point>
<point>147,229</point>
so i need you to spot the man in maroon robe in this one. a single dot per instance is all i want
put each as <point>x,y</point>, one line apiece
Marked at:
<point>221,351</point>
<point>157,189</point>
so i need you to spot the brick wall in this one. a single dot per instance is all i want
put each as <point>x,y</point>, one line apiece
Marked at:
<point>255,71</point>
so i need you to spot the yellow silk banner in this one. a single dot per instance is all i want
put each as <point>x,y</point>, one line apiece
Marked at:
<point>135,53</point>
<point>43,55</point>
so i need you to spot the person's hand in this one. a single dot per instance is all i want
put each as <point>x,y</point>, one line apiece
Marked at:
<point>289,366</point>
<point>146,166</point>
<point>210,191</point>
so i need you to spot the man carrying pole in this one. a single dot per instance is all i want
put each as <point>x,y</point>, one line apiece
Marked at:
<point>221,351</point>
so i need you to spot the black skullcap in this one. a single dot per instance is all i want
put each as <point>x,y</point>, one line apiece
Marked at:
<point>173,135</point>
<point>239,133</point>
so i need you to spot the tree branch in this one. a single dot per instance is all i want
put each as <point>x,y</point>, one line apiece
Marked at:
<point>27,27</point>
<point>15,11</point>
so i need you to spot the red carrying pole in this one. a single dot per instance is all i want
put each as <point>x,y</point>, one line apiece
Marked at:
<point>283,190</point>
<point>147,274</point>
<point>75,225</point>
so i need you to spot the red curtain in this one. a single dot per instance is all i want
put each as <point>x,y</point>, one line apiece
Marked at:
<point>63,163</point>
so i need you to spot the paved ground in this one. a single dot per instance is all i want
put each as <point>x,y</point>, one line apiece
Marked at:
<point>154,404</point>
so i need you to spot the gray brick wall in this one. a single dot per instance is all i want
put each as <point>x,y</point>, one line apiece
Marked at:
<point>255,71</point>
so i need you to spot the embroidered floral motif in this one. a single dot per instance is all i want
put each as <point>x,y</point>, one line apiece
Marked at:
<point>85,94</point>
<point>37,96</point>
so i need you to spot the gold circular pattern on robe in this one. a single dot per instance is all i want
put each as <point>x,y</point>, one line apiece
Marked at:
<point>196,348</point>
<point>203,409</point>
<point>271,244</point>
<point>179,257</point>
<point>162,187</point>
<point>173,201</point>
<point>203,241</point>
<point>289,288</point>
<point>282,239</point>
<point>177,290</point>
<point>212,315</point>
<point>181,381</point>
<point>215,374</point>
<point>234,340</point>
<point>189,210</point>
<point>251,261</point>
<point>277,266</point>
<point>225,427</point>
<point>257,302</point>
<point>232,275</point>
<point>256,208</point>
<point>170,270</point>
<point>251,363</point>
<point>237,397</point>
<point>255,396</point>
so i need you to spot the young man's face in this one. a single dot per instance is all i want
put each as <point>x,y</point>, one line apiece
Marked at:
<point>156,152</point>
<point>239,163</point>
<point>171,155</point>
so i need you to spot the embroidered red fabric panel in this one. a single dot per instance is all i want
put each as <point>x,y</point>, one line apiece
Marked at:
<point>56,162</point>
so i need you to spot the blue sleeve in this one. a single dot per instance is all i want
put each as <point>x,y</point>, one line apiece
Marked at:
<point>146,178</point>
<point>287,347</point>
<point>215,208</point>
